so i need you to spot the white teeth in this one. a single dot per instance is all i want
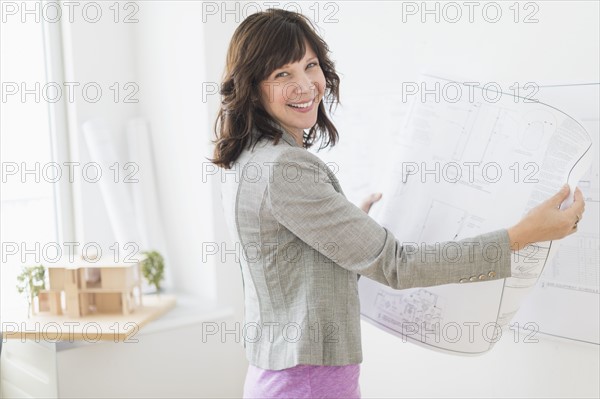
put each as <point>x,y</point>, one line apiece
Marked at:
<point>305,105</point>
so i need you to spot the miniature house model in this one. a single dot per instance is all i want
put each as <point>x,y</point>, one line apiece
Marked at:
<point>93,288</point>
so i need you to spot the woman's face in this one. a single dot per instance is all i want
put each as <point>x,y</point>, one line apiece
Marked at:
<point>291,94</point>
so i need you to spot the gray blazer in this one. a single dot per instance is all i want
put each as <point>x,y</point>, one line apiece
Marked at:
<point>302,246</point>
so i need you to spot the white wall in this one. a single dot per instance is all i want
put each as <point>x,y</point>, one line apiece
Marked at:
<point>171,68</point>
<point>164,54</point>
<point>229,279</point>
<point>97,53</point>
<point>515,367</point>
<point>376,51</point>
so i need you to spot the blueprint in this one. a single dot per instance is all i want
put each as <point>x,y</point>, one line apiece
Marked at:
<point>566,300</point>
<point>462,167</point>
<point>364,122</point>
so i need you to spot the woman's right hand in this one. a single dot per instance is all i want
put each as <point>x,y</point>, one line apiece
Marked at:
<point>547,222</point>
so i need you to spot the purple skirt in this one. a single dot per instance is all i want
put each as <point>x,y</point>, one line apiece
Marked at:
<point>303,381</point>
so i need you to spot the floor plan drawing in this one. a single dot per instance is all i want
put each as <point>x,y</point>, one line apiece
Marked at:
<point>464,168</point>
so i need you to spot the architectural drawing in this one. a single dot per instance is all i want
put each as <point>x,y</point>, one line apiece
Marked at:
<point>518,154</point>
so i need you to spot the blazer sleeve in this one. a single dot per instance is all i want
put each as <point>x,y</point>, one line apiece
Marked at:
<point>304,200</point>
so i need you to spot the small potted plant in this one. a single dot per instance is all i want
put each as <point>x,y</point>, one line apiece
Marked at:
<point>153,269</point>
<point>31,281</point>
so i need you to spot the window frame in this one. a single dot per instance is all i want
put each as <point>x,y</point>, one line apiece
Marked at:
<point>65,204</point>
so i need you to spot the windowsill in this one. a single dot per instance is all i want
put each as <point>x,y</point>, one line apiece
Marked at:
<point>187,311</point>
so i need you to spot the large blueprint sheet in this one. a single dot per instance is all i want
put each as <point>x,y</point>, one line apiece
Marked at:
<point>566,300</point>
<point>465,165</point>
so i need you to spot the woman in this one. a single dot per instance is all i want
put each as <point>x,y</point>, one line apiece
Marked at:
<point>304,244</point>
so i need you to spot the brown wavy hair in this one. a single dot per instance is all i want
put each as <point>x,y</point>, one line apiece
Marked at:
<point>263,42</point>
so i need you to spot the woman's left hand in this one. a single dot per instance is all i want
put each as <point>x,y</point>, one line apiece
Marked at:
<point>370,200</point>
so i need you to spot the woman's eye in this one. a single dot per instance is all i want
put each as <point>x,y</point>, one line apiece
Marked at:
<point>283,74</point>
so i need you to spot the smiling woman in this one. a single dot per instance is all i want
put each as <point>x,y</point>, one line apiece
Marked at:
<point>304,244</point>
<point>276,61</point>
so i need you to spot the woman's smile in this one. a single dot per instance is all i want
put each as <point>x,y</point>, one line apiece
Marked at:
<point>304,107</point>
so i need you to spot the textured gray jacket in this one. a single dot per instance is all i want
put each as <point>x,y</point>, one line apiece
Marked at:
<point>302,248</point>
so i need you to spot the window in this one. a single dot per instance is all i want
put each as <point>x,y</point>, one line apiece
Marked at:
<point>29,226</point>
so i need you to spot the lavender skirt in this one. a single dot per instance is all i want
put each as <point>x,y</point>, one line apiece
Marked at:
<point>303,381</point>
